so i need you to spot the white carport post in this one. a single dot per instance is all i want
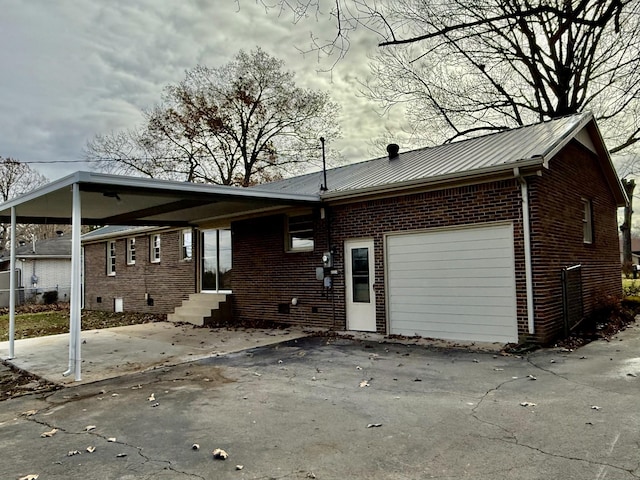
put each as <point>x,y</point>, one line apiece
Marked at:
<point>12,285</point>
<point>75,325</point>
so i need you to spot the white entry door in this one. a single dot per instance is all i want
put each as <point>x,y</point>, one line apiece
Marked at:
<point>359,278</point>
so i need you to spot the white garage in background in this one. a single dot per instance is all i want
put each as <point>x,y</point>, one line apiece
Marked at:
<point>456,283</point>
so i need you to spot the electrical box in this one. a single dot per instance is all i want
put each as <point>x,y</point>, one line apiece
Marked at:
<point>327,260</point>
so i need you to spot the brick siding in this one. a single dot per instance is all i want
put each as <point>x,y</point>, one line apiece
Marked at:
<point>557,236</point>
<point>264,275</point>
<point>167,282</point>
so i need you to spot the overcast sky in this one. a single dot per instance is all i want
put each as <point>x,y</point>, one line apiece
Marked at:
<point>75,68</point>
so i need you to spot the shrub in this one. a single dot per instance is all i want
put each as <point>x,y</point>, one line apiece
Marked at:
<point>50,297</point>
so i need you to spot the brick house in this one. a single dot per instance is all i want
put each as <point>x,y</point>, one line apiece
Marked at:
<point>139,269</point>
<point>509,237</point>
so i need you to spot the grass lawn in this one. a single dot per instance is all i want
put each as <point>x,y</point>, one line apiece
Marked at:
<point>51,320</point>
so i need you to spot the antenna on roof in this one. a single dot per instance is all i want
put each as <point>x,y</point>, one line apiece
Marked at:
<point>323,187</point>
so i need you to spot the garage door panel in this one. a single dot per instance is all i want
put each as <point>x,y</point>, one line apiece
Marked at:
<point>449,323</point>
<point>484,312</point>
<point>402,301</point>
<point>457,284</point>
<point>461,333</point>
<point>454,283</point>
<point>440,263</point>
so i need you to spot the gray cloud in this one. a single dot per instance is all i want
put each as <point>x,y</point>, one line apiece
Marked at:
<point>79,68</point>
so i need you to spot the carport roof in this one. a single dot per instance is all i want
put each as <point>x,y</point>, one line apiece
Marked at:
<point>119,200</point>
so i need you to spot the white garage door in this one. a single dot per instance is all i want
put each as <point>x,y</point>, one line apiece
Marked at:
<point>456,284</point>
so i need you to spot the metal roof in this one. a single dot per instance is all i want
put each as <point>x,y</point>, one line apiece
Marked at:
<point>528,146</point>
<point>119,200</point>
<point>109,231</point>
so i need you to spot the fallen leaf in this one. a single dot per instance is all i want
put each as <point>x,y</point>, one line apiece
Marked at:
<point>50,433</point>
<point>91,449</point>
<point>373,425</point>
<point>88,428</point>
<point>220,454</point>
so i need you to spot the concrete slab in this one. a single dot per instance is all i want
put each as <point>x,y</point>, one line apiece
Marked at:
<point>112,352</point>
<point>336,408</point>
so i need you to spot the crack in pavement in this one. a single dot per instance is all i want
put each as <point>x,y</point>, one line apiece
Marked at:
<point>513,438</point>
<point>574,382</point>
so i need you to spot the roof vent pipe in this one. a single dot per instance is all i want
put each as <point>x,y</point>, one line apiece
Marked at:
<point>393,150</point>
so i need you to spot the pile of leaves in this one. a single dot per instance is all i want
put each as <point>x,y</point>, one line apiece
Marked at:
<point>15,382</point>
<point>608,318</point>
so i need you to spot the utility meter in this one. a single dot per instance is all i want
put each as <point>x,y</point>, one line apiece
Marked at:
<point>327,260</point>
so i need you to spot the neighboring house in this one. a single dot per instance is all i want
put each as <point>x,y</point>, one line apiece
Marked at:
<point>466,241</point>
<point>44,265</point>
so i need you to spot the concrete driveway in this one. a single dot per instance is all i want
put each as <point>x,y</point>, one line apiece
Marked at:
<point>331,408</point>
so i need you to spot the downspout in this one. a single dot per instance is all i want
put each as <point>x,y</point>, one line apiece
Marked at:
<point>526,232</point>
<point>12,285</point>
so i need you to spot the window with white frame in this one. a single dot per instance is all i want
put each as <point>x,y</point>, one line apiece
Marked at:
<point>154,245</point>
<point>111,257</point>
<point>186,244</point>
<point>587,221</point>
<point>299,235</point>
<point>131,251</point>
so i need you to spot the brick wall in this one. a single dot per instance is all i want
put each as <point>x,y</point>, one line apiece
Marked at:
<point>266,278</point>
<point>557,236</point>
<point>167,282</point>
<point>264,275</point>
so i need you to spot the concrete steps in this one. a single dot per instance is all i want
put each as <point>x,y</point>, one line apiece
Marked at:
<point>199,308</point>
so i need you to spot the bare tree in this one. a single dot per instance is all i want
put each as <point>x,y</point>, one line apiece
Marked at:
<point>465,67</point>
<point>16,179</point>
<point>241,124</point>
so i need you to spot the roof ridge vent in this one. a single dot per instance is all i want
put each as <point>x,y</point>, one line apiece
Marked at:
<point>393,150</point>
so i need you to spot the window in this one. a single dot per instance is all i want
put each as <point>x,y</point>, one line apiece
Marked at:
<point>131,251</point>
<point>587,221</point>
<point>154,245</point>
<point>186,245</point>
<point>111,257</point>
<point>300,232</point>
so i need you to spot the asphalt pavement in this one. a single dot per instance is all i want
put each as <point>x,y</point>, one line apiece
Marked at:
<point>334,408</point>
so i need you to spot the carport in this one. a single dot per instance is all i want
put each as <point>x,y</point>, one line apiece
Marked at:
<point>87,198</point>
